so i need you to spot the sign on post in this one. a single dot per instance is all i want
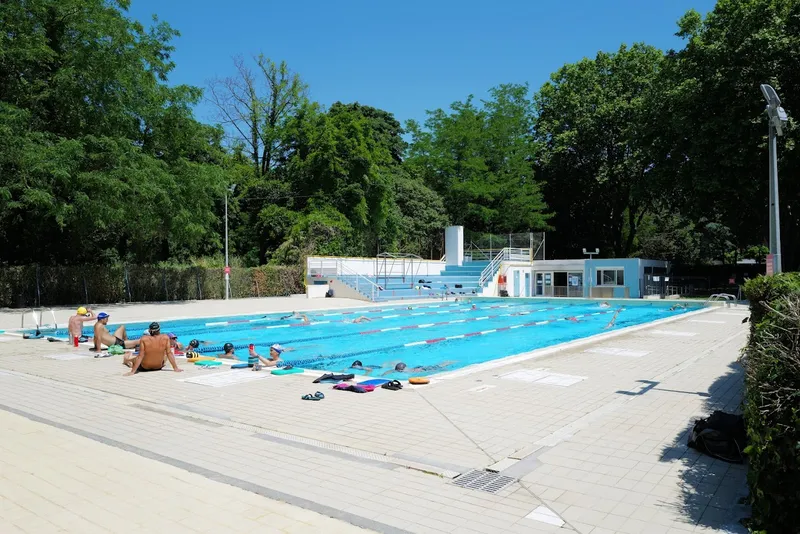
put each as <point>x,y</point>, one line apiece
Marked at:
<point>227,270</point>
<point>770,264</point>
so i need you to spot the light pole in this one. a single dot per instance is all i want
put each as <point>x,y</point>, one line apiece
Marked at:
<point>227,265</point>
<point>777,117</point>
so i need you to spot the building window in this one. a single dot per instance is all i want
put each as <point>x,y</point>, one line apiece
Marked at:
<point>610,277</point>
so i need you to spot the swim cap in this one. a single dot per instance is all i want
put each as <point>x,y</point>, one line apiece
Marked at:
<point>102,315</point>
<point>194,343</point>
<point>357,363</point>
<point>82,311</point>
<point>171,335</point>
<point>227,347</point>
<point>277,348</point>
<point>154,328</point>
<point>400,367</point>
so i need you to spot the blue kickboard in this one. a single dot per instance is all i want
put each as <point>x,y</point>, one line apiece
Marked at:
<point>374,382</point>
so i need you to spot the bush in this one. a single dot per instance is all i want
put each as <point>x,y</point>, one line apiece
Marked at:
<point>772,411</point>
<point>26,286</point>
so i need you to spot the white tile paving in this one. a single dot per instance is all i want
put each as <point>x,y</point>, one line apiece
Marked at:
<point>601,459</point>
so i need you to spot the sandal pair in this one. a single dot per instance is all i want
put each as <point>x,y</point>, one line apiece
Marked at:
<point>394,385</point>
<point>318,396</point>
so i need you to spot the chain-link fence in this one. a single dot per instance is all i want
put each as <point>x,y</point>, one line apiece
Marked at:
<point>485,246</point>
<point>31,285</point>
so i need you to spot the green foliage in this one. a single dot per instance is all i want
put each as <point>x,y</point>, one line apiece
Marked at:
<point>51,286</point>
<point>595,160</point>
<point>480,160</point>
<point>772,410</point>
<point>98,156</point>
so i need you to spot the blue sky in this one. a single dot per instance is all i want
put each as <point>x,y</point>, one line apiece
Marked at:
<point>409,56</point>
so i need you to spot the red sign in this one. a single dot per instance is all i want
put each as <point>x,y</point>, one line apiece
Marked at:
<point>770,265</point>
<point>227,270</point>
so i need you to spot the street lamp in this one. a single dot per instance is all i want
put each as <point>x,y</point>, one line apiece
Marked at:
<point>227,265</point>
<point>777,118</point>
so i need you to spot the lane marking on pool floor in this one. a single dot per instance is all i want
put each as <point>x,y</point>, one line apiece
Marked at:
<point>334,357</point>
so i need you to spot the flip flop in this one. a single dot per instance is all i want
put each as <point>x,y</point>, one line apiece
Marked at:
<point>394,385</point>
<point>309,396</point>
<point>319,395</point>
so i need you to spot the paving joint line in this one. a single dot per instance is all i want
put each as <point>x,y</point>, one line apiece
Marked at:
<point>216,476</point>
<point>200,418</point>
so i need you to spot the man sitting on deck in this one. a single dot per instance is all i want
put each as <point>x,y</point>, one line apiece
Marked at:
<point>75,324</point>
<point>154,351</point>
<point>103,337</point>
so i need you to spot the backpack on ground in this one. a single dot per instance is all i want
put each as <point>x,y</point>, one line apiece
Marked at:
<point>721,435</point>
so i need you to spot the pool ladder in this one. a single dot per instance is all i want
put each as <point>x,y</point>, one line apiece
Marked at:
<point>38,322</point>
<point>727,298</point>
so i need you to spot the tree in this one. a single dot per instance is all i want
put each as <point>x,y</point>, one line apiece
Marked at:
<point>480,160</point>
<point>590,119</point>
<point>99,159</point>
<point>714,130</point>
<point>255,106</point>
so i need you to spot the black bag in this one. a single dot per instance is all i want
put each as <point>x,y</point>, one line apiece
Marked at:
<point>721,435</point>
<point>459,286</point>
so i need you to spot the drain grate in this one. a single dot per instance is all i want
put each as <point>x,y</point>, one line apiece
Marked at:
<point>484,481</point>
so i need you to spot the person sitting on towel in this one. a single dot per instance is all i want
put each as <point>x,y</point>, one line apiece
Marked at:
<point>154,352</point>
<point>75,323</point>
<point>103,337</point>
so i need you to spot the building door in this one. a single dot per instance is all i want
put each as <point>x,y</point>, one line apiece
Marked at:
<point>516,282</point>
<point>527,284</point>
<point>539,284</point>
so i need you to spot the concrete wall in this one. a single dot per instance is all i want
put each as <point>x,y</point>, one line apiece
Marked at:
<point>326,266</point>
<point>454,245</point>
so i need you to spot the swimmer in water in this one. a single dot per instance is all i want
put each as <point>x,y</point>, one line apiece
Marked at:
<point>361,367</point>
<point>362,319</point>
<point>613,320</point>
<point>295,315</point>
<point>677,307</point>
<point>403,368</point>
<point>605,305</point>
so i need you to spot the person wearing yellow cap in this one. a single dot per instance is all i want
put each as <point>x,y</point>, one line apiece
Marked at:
<point>75,325</point>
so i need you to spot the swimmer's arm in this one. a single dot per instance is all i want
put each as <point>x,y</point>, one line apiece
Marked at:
<point>171,358</point>
<point>267,362</point>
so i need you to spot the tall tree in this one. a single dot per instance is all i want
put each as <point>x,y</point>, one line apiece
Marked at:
<point>480,160</point>
<point>713,129</point>
<point>590,124</point>
<point>255,104</point>
<point>99,158</point>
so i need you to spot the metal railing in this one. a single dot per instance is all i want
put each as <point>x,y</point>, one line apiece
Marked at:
<point>717,297</point>
<point>386,262</point>
<point>335,267</point>
<point>38,322</point>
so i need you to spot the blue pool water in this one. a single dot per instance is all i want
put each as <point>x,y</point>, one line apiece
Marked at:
<point>429,338</point>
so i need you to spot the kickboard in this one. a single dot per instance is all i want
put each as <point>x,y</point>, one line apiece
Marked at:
<point>200,359</point>
<point>239,366</point>
<point>208,363</point>
<point>374,382</point>
<point>291,371</point>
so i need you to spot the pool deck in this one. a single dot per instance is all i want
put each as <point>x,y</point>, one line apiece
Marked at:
<point>590,439</point>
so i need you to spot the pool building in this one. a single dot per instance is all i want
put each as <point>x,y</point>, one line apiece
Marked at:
<point>506,272</point>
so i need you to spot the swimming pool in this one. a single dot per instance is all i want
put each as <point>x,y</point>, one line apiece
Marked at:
<point>429,338</point>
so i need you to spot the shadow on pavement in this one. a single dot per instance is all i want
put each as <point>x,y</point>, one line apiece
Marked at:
<point>712,491</point>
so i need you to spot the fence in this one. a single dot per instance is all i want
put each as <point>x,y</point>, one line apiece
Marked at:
<point>33,285</point>
<point>484,246</point>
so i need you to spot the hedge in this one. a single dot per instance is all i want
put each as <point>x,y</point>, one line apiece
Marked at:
<point>32,285</point>
<point>772,408</point>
